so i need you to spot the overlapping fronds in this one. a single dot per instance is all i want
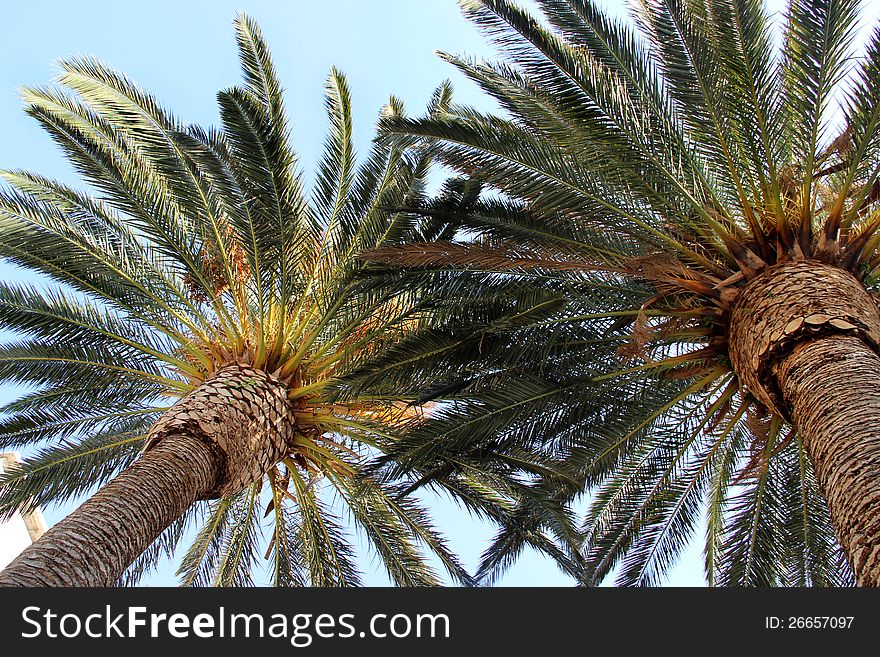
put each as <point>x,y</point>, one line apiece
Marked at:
<point>197,247</point>
<point>642,173</point>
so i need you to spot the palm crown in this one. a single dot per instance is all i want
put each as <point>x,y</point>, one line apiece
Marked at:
<point>685,186</point>
<point>201,252</point>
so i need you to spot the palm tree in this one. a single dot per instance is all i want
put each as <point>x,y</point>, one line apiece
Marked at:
<point>707,199</point>
<point>201,314</point>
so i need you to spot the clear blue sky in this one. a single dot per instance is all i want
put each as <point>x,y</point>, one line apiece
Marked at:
<point>183,51</point>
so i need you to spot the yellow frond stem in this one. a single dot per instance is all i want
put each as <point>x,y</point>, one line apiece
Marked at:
<point>306,390</point>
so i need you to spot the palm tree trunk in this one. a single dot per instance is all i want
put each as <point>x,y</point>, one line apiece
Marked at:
<point>832,387</point>
<point>96,543</point>
<point>803,339</point>
<point>218,439</point>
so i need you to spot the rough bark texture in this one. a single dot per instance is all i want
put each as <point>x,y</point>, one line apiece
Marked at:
<point>96,543</point>
<point>219,438</point>
<point>803,339</point>
<point>831,385</point>
<point>787,304</point>
<point>243,414</point>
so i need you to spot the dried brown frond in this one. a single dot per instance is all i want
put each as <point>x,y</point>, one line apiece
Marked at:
<point>484,256</point>
<point>691,370</point>
<point>653,268</point>
<point>758,421</point>
<point>673,325</point>
<point>723,411</point>
<point>641,336</point>
<point>785,442</point>
<point>752,468</point>
<point>841,146</point>
<point>790,181</point>
<point>214,270</point>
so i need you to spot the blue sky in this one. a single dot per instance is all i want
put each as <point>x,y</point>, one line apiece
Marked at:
<point>184,52</point>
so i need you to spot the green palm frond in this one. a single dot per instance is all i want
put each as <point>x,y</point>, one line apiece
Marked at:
<point>55,474</point>
<point>239,553</point>
<point>641,174</point>
<point>196,247</point>
<point>201,559</point>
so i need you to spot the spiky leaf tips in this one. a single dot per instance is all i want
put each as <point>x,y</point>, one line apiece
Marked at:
<point>706,197</point>
<point>205,294</point>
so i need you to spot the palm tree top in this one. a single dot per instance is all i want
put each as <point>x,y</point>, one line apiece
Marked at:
<point>200,253</point>
<point>658,172</point>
